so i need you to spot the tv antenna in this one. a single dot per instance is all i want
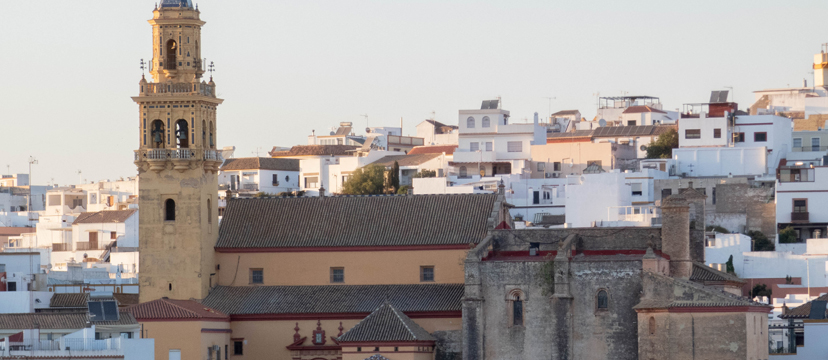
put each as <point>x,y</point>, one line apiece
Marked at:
<point>143,66</point>
<point>79,177</point>
<point>211,68</point>
<point>366,119</point>
<point>258,148</point>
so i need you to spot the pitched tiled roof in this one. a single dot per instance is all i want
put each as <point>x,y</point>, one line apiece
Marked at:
<point>630,131</point>
<point>74,320</point>
<point>106,216</point>
<point>386,323</point>
<point>260,163</point>
<point>240,300</point>
<point>567,112</point>
<point>691,294</point>
<point>802,311</point>
<point>175,309</point>
<point>642,109</point>
<point>126,299</point>
<point>356,221</point>
<point>702,273</point>
<point>15,231</point>
<point>405,160</point>
<point>315,150</point>
<point>433,149</point>
<point>70,300</point>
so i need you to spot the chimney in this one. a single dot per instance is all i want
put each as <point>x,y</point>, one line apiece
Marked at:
<point>321,190</point>
<point>501,189</point>
<point>675,235</point>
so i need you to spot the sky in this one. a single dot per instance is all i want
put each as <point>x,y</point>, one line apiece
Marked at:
<point>286,68</point>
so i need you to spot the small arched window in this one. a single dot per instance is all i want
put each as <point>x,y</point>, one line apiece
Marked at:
<point>287,177</point>
<point>470,122</point>
<point>602,300</point>
<point>209,211</point>
<point>169,210</point>
<point>517,312</point>
<point>170,285</point>
<point>157,134</point>
<point>486,122</point>
<point>652,325</point>
<point>463,172</point>
<point>169,63</point>
<point>181,130</point>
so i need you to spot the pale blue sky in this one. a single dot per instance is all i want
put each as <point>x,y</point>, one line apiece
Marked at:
<point>287,67</point>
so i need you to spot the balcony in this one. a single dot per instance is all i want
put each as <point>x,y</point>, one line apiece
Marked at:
<point>180,89</point>
<point>799,217</point>
<point>181,158</point>
<point>61,247</point>
<point>809,148</point>
<point>64,348</point>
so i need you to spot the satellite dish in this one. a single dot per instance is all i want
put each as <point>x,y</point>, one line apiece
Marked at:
<point>602,123</point>
<point>643,147</point>
<point>333,132</point>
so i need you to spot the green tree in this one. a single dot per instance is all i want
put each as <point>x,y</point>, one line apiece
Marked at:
<point>787,235</point>
<point>394,178</point>
<point>761,290</point>
<point>367,180</point>
<point>403,190</point>
<point>717,229</point>
<point>760,241</point>
<point>729,264</point>
<point>663,147</point>
<point>426,174</point>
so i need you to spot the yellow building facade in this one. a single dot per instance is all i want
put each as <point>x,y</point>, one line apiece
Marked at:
<point>177,160</point>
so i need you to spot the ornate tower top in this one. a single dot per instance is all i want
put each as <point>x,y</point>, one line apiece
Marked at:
<point>176,29</point>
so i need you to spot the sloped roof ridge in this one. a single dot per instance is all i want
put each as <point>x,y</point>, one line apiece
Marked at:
<point>712,292</point>
<point>726,276</point>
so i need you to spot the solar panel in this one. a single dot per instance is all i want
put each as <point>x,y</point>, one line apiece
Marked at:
<point>96,311</point>
<point>718,96</point>
<point>110,311</point>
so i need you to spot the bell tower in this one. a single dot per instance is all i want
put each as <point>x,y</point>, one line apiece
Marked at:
<point>177,160</point>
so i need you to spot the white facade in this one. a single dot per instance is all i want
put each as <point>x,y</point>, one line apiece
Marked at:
<point>487,140</point>
<point>435,134</point>
<point>122,342</point>
<point>334,171</point>
<point>20,270</point>
<point>260,180</point>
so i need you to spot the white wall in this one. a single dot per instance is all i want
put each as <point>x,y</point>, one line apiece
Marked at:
<point>589,197</point>
<point>706,127</point>
<point>814,191</point>
<point>19,302</point>
<point>721,161</point>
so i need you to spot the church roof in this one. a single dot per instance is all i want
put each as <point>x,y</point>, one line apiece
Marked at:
<point>176,3</point>
<point>315,299</point>
<point>386,323</point>
<point>348,221</point>
<point>681,293</point>
<point>703,273</point>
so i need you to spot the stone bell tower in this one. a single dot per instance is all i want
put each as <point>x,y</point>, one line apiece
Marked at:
<point>177,160</point>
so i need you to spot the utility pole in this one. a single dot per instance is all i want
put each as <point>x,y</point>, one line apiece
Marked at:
<point>32,161</point>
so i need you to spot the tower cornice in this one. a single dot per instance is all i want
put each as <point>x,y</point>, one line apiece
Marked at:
<point>176,22</point>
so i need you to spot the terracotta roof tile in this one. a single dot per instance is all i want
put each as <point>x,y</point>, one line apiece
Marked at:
<point>73,320</point>
<point>239,300</point>
<point>702,273</point>
<point>15,231</point>
<point>315,150</point>
<point>260,163</point>
<point>642,109</point>
<point>405,160</point>
<point>386,323</point>
<point>70,300</point>
<point>802,311</point>
<point>175,309</point>
<point>433,149</point>
<point>356,221</point>
<point>106,216</point>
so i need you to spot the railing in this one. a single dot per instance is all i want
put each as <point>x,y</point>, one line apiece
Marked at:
<point>179,89</point>
<point>85,245</point>
<point>799,216</point>
<point>176,154</point>
<point>214,155</point>
<point>809,148</point>
<point>61,247</point>
<point>64,344</point>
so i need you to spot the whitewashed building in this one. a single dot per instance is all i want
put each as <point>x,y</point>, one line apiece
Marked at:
<point>248,176</point>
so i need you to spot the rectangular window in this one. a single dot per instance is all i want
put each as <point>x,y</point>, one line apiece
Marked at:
<point>426,273</point>
<point>238,348</point>
<point>514,146</point>
<point>256,276</point>
<point>2,267</point>
<point>541,166</point>
<point>814,144</point>
<point>797,143</point>
<point>636,189</point>
<point>800,205</point>
<point>714,196</point>
<point>489,146</point>
<point>692,134</point>
<point>226,351</point>
<point>475,146</point>
<point>517,312</point>
<point>760,137</point>
<point>113,235</point>
<point>536,197</point>
<point>739,137</point>
<point>11,286</point>
<point>337,275</point>
<point>311,182</point>
<point>556,166</point>
<point>275,179</point>
<point>717,133</point>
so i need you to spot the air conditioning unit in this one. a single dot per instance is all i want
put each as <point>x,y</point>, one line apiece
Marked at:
<point>555,175</point>
<point>548,175</point>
